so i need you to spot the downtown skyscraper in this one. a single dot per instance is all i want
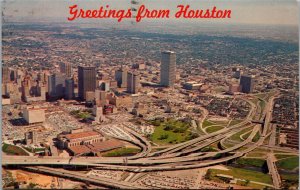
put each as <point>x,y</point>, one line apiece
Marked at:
<point>168,68</point>
<point>133,83</point>
<point>86,81</point>
<point>247,84</point>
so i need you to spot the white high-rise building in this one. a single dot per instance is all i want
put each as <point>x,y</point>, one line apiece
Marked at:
<point>168,68</point>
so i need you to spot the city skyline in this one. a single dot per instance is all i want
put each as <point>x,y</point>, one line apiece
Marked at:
<point>150,105</point>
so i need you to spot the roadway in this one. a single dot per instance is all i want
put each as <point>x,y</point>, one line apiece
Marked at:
<point>138,160</point>
<point>181,156</point>
<point>273,170</point>
<point>85,178</point>
<point>142,163</point>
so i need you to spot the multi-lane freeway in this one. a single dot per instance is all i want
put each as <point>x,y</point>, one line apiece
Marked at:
<point>273,170</point>
<point>83,177</point>
<point>184,155</point>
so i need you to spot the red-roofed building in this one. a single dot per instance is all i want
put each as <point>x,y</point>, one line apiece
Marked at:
<point>97,147</point>
<point>79,138</point>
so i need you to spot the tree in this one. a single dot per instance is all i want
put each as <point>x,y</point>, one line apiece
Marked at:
<point>247,182</point>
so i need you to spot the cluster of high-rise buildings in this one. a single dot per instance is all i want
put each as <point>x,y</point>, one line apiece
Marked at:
<point>20,85</point>
<point>33,86</point>
<point>128,80</point>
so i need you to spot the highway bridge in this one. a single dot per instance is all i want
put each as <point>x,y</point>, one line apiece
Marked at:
<point>184,155</point>
<point>144,163</point>
<point>84,178</point>
<point>273,170</point>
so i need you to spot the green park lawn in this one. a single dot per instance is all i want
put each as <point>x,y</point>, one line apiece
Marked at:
<point>172,132</point>
<point>81,114</point>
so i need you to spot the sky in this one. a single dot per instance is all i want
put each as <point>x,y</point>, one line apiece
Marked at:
<point>261,12</point>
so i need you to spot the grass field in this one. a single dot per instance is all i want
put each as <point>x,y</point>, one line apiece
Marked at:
<point>288,163</point>
<point>209,149</point>
<point>256,154</point>
<point>172,132</point>
<point>245,136</point>
<point>261,96</point>
<point>81,114</point>
<point>291,177</point>
<point>262,104</point>
<point>121,152</point>
<point>265,96</point>
<point>236,136</point>
<point>34,150</point>
<point>283,156</point>
<point>241,174</point>
<point>13,150</point>
<point>207,123</point>
<point>251,162</point>
<point>290,181</point>
<point>228,145</point>
<point>268,95</point>
<point>214,128</point>
<point>254,100</point>
<point>256,137</point>
<point>234,122</point>
<point>220,122</point>
<point>154,149</point>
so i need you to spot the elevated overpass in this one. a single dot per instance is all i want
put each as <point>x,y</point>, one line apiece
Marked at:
<point>273,171</point>
<point>85,178</point>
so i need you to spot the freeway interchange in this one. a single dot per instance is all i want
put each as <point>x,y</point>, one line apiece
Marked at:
<point>181,156</point>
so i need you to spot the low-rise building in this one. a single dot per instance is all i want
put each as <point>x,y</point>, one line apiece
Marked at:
<point>80,141</point>
<point>66,141</point>
<point>31,137</point>
<point>234,88</point>
<point>34,115</point>
<point>192,85</point>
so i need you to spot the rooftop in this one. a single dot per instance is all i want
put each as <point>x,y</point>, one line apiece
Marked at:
<point>82,135</point>
<point>96,147</point>
<point>169,52</point>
